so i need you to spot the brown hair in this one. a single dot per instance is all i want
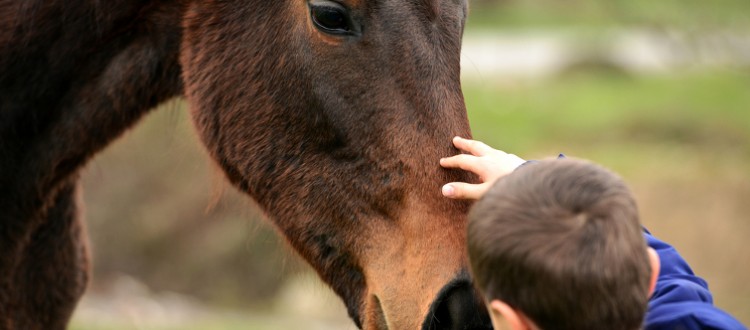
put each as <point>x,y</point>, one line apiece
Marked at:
<point>560,241</point>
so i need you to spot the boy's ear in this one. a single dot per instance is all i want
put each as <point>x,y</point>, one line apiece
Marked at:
<point>655,268</point>
<point>505,317</point>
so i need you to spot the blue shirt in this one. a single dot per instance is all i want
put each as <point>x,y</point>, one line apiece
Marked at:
<point>681,300</point>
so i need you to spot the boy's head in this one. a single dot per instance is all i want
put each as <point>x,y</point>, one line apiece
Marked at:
<point>558,245</point>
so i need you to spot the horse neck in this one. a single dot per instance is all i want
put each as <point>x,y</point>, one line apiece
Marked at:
<point>73,77</point>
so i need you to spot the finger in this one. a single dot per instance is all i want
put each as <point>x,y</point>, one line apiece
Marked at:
<point>465,162</point>
<point>476,148</point>
<point>462,190</point>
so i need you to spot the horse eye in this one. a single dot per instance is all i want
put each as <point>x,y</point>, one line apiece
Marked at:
<point>330,18</point>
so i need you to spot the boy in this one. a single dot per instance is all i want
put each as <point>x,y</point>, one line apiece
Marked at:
<point>558,245</point>
<point>554,245</point>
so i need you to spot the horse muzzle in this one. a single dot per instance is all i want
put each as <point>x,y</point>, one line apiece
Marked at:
<point>457,306</point>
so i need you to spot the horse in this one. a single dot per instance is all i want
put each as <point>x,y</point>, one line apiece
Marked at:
<point>330,114</point>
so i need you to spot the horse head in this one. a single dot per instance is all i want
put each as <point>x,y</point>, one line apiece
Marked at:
<point>333,114</point>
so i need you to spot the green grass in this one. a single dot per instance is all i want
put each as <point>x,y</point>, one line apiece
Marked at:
<point>709,111</point>
<point>694,120</point>
<point>685,14</point>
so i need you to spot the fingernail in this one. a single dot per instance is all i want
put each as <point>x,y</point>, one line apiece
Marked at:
<point>448,190</point>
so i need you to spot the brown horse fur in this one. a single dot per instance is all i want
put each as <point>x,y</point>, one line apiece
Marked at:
<point>336,137</point>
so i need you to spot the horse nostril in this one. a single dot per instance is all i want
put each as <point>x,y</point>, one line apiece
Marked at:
<point>457,308</point>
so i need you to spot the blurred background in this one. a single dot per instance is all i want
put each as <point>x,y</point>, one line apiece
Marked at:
<point>658,91</point>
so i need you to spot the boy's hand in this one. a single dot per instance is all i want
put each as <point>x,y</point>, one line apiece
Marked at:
<point>484,161</point>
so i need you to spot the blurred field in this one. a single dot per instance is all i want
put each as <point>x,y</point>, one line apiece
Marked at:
<point>177,248</point>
